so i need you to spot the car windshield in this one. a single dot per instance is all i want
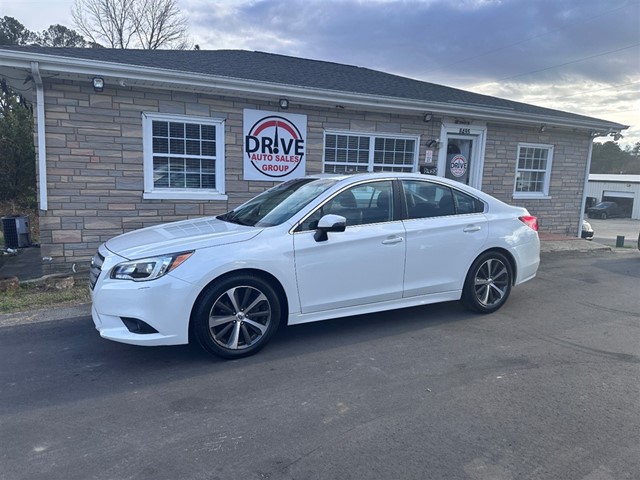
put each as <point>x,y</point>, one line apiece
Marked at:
<point>278,204</point>
<point>604,204</point>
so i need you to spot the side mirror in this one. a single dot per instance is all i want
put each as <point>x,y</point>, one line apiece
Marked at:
<point>329,223</point>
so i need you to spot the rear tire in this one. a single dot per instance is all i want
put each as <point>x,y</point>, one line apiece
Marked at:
<point>604,215</point>
<point>237,316</point>
<point>488,283</point>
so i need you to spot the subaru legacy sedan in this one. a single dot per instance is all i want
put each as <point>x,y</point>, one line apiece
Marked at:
<point>311,249</point>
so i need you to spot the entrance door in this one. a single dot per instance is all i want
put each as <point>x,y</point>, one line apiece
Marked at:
<point>461,157</point>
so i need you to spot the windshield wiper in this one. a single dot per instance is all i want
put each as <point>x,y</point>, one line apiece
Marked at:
<point>227,217</point>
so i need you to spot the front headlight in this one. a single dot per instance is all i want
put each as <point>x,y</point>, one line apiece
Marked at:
<point>148,268</point>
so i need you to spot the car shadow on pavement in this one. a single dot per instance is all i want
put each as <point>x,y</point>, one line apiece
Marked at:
<point>71,353</point>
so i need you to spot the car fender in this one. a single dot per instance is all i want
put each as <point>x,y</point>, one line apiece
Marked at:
<point>267,255</point>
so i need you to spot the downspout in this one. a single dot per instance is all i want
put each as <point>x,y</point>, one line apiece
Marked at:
<point>42,145</point>
<point>584,187</point>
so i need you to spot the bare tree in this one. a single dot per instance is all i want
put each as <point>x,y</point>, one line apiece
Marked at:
<point>148,24</point>
<point>159,23</point>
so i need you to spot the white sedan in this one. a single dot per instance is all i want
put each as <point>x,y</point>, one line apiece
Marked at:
<point>311,249</point>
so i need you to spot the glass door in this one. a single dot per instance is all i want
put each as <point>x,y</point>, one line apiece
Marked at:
<point>459,158</point>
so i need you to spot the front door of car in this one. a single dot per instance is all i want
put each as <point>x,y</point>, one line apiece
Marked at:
<point>446,230</point>
<point>362,265</point>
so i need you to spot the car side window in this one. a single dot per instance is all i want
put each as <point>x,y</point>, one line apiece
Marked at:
<point>427,199</point>
<point>466,204</point>
<point>362,204</point>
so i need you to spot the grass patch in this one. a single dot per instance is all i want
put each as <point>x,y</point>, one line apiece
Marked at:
<point>32,296</point>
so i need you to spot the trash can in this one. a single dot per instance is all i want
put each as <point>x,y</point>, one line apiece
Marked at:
<point>16,231</point>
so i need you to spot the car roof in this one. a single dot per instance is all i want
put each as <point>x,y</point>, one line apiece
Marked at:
<point>358,177</point>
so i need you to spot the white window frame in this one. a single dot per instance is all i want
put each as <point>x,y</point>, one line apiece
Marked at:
<point>372,138</point>
<point>547,172</point>
<point>150,191</point>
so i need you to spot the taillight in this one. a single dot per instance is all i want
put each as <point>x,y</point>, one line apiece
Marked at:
<point>530,221</point>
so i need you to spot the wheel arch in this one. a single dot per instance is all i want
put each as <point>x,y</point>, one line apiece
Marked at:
<point>507,254</point>
<point>266,276</point>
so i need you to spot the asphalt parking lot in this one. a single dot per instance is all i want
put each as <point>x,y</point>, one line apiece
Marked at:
<point>546,388</point>
<point>607,231</point>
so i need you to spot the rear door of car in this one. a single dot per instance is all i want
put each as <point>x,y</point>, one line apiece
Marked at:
<point>446,230</point>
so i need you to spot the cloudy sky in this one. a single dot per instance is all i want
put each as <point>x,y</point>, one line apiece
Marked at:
<point>581,56</point>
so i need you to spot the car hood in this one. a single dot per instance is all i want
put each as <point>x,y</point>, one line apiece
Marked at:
<point>179,236</point>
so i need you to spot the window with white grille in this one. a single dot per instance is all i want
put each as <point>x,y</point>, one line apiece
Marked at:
<point>183,156</point>
<point>346,152</point>
<point>533,170</point>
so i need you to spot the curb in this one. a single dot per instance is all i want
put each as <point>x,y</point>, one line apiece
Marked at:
<point>45,315</point>
<point>573,245</point>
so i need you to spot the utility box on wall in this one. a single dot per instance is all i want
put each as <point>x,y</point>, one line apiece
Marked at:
<point>16,231</point>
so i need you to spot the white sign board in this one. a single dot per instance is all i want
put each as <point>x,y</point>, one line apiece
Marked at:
<point>274,145</point>
<point>428,156</point>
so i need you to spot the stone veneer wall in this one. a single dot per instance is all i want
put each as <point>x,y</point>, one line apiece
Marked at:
<point>95,162</point>
<point>560,213</point>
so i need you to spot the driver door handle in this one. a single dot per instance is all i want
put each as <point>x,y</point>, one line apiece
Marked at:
<point>392,240</point>
<point>471,228</point>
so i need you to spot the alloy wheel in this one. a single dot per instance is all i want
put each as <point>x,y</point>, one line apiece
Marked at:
<point>491,282</point>
<point>239,318</point>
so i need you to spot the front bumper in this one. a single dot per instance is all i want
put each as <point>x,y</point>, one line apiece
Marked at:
<point>163,304</point>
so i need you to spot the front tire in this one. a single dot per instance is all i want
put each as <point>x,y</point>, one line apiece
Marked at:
<point>488,283</point>
<point>236,317</point>
<point>604,215</point>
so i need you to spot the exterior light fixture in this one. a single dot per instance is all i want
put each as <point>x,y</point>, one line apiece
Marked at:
<point>284,103</point>
<point>98,84</point>
<point>543,127</point>
<point>428,116</point>
<point>432,143</point>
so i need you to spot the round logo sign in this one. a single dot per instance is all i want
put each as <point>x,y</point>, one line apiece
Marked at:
<point>458,166</point>
<point>275,146</point>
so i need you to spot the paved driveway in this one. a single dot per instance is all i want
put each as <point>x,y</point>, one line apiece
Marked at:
<point>606,231</point>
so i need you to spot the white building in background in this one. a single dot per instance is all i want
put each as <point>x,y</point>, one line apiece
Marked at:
<point>623,189</point>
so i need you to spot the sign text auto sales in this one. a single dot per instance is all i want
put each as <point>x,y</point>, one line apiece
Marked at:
<point>274,145</point>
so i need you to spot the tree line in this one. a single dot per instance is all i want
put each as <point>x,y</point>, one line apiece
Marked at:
<point>608,157</point>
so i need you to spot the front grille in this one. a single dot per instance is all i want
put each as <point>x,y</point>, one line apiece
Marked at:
<point>96,267</point>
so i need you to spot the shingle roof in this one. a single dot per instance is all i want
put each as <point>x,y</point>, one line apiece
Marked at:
<point>299,72</point>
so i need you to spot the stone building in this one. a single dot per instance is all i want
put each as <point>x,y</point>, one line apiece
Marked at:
<point>131,138</point>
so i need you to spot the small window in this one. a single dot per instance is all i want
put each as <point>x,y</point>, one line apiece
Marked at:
<point>353,153</point>
<point>183,157</point>
<point>466,204</point>
<point>533,171</point>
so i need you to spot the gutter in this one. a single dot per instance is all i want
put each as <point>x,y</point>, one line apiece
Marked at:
<point>42,145</point>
